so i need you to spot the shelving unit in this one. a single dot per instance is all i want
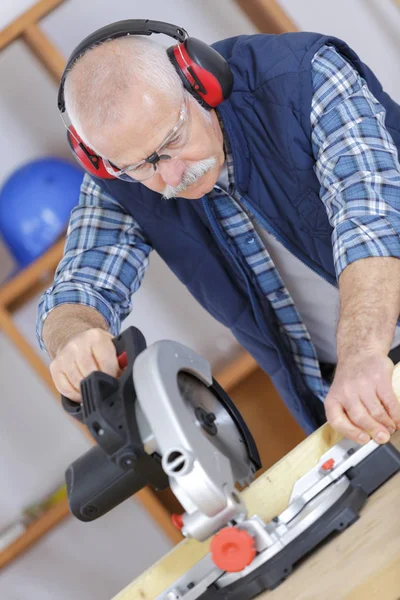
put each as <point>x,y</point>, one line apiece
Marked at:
<point>34,532</point>
<point>242,379</point>
<point>267,16</point>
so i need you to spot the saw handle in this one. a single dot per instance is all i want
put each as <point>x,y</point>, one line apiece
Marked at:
<point>117,467</point>
<point>127,345</point>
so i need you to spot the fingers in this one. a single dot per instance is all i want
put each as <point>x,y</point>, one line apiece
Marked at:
<point>105,356</point>
<point>90,351</point>
<point>339,420</point>
<point>64,385</point>
<point>389,400</point>
<point>361,399</point>
<point>378,415</point>
<point>360,420</point>
<point>84,364</point>
<point>359,415</point>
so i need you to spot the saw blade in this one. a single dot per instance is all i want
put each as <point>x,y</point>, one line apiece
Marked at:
<point>217,426</point>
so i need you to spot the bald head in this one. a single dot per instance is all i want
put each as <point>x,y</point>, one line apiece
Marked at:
<point>115,85</point>
<point>125,99</point>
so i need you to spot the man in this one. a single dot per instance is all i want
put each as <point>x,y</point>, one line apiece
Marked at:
<point>279,210</point>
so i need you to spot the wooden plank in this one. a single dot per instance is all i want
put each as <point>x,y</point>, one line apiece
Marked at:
<point>45,51</point>
<point>386,579</point>
<point>35,531</point>
<point>32,274</point>
<point>267,16</point>
<point>33,15</point>
<point>267,497</point>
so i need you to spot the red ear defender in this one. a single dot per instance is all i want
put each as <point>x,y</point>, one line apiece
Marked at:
<point>203,71</point>
<point>88,160</point>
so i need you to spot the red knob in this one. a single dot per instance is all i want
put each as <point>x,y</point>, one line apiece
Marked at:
<point>328,465</point>
<point>177,520</point>
<point>232,549</point>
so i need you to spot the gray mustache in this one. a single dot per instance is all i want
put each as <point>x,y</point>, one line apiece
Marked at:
<point>191,175</point>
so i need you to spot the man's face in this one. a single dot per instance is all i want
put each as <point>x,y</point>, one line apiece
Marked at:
<point>195,169</point>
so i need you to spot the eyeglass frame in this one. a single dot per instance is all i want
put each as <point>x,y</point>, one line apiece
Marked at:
<point>155,157</point>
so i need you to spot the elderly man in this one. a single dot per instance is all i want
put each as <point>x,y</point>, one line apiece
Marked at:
<point>278,209</point>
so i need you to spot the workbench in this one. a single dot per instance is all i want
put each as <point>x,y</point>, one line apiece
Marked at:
<point>361,563</point>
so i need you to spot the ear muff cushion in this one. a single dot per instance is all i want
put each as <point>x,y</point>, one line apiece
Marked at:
<point>203,71</point>
<point>93,164</point>
<point>211,61</point>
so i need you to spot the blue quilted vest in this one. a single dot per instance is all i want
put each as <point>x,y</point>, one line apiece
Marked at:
<point>267,120</point>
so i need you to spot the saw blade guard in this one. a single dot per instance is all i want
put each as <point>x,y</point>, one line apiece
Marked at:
<point>205,447</point>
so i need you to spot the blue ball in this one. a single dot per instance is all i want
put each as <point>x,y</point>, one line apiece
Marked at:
<point>35,205</point>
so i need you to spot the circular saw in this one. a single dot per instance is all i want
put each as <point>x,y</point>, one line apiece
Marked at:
<point>163,422</point>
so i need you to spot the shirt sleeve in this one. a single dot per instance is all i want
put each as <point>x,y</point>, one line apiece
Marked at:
<point>105,258</point>
<point>356,162</point>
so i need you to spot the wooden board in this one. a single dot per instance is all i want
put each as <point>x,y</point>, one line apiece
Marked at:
<point>358,564</point>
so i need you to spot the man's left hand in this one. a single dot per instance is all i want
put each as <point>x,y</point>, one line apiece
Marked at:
<point>361,403</point>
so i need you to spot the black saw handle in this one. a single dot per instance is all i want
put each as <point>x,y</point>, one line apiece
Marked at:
<point>131,340</point>
<point>118,466</point>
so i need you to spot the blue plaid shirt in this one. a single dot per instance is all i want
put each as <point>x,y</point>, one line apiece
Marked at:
<point>106,253</point>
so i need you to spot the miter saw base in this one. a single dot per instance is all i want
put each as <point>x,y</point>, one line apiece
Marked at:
<point>358,482</point>
<point>273,572</point>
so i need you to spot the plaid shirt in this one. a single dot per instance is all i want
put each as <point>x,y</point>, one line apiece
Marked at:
<point>106,252</point>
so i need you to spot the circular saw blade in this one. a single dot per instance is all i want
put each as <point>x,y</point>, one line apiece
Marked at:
<point>222,430</point>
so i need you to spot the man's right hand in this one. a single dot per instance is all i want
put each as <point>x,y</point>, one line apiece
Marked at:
<point>88,351</point>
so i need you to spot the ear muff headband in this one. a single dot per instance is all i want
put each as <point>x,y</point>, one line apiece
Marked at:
<point>203,72</point>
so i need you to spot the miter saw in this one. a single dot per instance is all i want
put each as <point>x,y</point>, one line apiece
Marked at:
<point>166,422</point>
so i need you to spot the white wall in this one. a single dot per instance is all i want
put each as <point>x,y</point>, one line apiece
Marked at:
<point>36,440</point>
<point>371,27</point>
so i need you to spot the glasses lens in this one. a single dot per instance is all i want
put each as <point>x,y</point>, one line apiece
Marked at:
<point>141,173</point>
<point>179,138</point>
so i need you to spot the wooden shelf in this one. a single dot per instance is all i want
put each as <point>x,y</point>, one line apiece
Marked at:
<point>237,371</point>
<point>45,51</point>
<point>267,16</point>
<point>61,511</point>
<point>31,275</point>
<point>35,531</point>
<point>19,289</point>
<point>29,17</point>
